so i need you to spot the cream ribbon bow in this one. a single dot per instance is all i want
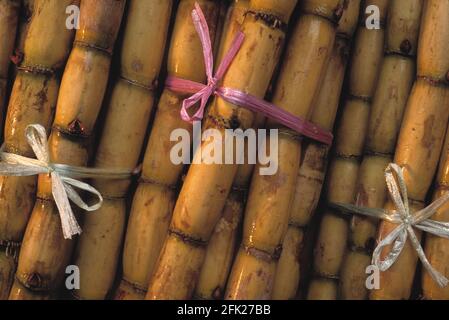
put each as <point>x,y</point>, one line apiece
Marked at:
<point>406,223</point>
<point>62,183</point>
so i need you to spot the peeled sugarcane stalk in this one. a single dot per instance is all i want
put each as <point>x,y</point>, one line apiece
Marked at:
<point>126,122</point>
<point>267,212</point>
<point>9,13</point>
<point>436,249</point>
<point>314,160</point>
<point>344,167</point>
<point>421,139</point>
<point>45,254</point>
<point>155,196</point>
<point>221,248</point>
<point>395,82</point>
<point>203,196</point>
<point>32,101</point>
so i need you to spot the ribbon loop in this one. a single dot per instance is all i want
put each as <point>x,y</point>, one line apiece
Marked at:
<point>61,178</point>
<point>406,223</point>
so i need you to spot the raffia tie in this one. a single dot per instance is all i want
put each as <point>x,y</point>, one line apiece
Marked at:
<point>406,223</point>
<point>62,178</point>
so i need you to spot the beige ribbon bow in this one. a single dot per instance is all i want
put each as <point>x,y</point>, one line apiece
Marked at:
<point>62,180</point>
<point>406,223</point>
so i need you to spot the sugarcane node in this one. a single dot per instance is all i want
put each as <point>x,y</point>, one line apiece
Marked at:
<point>79,43</point>
<point>261,254</point>
<point>187,239</point>
<point>406,46</point>
<point>134,286</point>
<point>444,83</point>
<point>37,70</point>
<point>269,19</point>
<point>323,275</point>
<point>10,248</point>
<point>136,83</point>
<point>145,180</point>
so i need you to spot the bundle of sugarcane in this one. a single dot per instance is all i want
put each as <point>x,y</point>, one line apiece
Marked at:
<point>314,160</point>
<point>207,186</point>
<point>45,253</point>
<point>126,121</point>
<point>221,248</point>
<point>343,169</point>
<point>395,82</point>
<point>33,99</point>
<point>420,139</point>
<point>9,13</point>
<point>155,196</point>
<point>267,212</point>
<point>436,248</point>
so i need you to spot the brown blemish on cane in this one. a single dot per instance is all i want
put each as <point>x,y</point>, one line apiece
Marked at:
<point>17,57</point>
<point>137,65</point>
<point>406,46</point>
<point>76,127</point>
<point>338,12</point>
<point>428,139</point>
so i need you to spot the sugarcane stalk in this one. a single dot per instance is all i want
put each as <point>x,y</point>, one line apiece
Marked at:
<point>198,211</point>
<point>343,168</point>
<point>313,163</point>
<point>25,15</point>
<point>395,82</point>
<point>9,13</point>
<point>155,196</point>
<point>121,142</point>
<point>45,253</point>
<point>221,248</point>
<point>436,248</point>
<point>421,138</point>
<point>267,212</point>
<point>32,101</point>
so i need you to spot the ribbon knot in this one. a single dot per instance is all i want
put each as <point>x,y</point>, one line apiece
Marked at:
<point>406,222</point>
<point>63,185</point>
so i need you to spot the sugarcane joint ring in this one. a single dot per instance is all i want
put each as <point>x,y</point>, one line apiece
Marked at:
<point>269,19</point>
<point>92,46</point>
<point>290,134</point>
<point>146,180</point>
<point>434,81</point>
<point>151,87</point>
<point>136,287</point>
<point>71,134</point>
<point>187,239</point>
<point>37,70</point>
<point>262,254</point>
<point>11,248</point>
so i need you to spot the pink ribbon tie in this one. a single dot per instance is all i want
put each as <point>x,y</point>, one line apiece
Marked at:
<point>202,93</point>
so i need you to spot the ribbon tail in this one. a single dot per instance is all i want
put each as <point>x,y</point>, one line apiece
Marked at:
<point>74,196</point>
<point>436,276</point>
<point>70,226</point>
<point>430,210</point>
<point>398,236</point>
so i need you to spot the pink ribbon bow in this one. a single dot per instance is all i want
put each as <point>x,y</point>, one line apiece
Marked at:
<point>202,93</point>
